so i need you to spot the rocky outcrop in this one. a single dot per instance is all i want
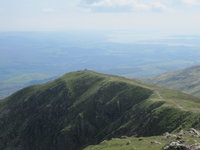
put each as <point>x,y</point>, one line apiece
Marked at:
<point>181,146</point>
<point>178,145</point>
<point>155,142</point>
<point>167,135</point>
<point>194,132</point>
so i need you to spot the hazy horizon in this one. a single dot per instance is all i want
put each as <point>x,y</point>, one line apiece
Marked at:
<point>135,38</point>
<point>154,16</point>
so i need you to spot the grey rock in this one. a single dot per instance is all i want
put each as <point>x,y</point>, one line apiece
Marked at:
<point>195,146</point>
<point>128,142</point>
<point>168,136</point>
<point>176,146</point>
<point>181,133</point>
<point>178,137</point>
<point>155,142</point>
<point>194,132</point>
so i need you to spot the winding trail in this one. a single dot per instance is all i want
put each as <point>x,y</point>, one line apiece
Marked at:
<point>158,94</point>
<point>160,97</point>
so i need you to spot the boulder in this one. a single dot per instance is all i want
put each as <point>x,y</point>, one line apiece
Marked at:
<point>176,146</point>
<point>155,142</point>
<point>128,142</point>
<point>178,137</point>
<point>194,132</point>
<point>195,146</point>
<point>181,133</point>
<point>168,136</point>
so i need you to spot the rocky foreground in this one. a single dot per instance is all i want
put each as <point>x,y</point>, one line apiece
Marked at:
<point>184,140</point>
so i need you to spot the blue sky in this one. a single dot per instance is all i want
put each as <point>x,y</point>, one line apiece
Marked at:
<point>170,16</point>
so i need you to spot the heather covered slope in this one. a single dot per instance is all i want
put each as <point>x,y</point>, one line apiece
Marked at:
<point>186,80</point>
<point>84,107</point>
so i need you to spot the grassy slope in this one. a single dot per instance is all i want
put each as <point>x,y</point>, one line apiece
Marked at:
<point>187,80</point>
<point>142,143</point>
<point>171,98</point>
<point>85,107</point>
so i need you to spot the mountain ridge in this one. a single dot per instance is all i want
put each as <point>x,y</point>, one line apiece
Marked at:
<point>84,107</point>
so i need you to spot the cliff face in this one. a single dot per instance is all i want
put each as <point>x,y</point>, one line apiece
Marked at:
<point>83,108</point>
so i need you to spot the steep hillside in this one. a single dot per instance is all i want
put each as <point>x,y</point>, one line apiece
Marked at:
<point>187,80</point>
<point>84,107</point>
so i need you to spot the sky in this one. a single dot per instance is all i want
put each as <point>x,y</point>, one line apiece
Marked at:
<point>169,16</point>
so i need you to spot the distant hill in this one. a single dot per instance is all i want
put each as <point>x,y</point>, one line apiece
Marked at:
<point>8,87</point>
<point>186,80</point>
<point>83,108</point>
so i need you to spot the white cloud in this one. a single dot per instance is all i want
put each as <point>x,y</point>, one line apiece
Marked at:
<point>48,10</point>
<point>143,5</point>
<point>136,5</point>
<point>191,2</point>
<point>119,3</point>
<point>140,6</point>
<point>160,7</point>
<point>113,3</point>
